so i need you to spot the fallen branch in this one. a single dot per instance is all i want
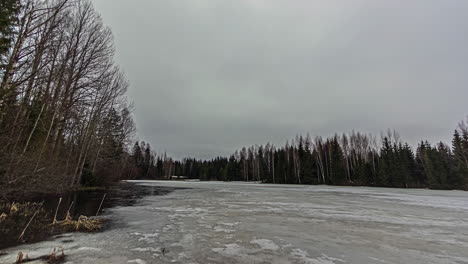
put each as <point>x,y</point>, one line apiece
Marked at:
<point>69,208</point>
<point>56,211</point>
<point>99,209</point>
<point>24,176</point>
<point>24,230</point>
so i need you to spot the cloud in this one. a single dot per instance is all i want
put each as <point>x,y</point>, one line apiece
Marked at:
<point>210,76</point>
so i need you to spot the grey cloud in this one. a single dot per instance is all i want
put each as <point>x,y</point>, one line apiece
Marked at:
<point>210,76</point>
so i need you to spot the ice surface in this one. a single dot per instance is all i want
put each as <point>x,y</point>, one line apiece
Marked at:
<point>265,244</point>
<point>216,222</point>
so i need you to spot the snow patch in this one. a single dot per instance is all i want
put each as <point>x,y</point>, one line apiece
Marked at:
<point>299,253</point>
<point>149,238</point>
<point>88,249</point>
<point>303,256</point>
<point>137,261</point>
<point>265,244</point>
<point>222,229</point>
<point>231,224</point>
<point>167,228</point>
<point>232,249</point>
<point>147,249</point>
<point>376,259</point>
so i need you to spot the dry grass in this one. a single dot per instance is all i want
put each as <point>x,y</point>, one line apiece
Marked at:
<point>3,217</point>
<point>82,224</point>
<point>56,256</point>
<point>21,221</point>
<point>29,222</point>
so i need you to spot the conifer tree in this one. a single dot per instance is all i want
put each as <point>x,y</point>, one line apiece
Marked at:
<point>8,21</point>
<point>460,168</point>
<point>386,164</point>
<point>337,163</point>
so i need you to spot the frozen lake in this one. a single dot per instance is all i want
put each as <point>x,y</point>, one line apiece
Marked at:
<point>216,222</point>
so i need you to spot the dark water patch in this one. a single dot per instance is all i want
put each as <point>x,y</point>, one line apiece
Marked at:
<point>85,202</point>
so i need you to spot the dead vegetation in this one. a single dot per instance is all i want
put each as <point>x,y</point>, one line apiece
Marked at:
<point>56,256</point>
<point>29,222</point>
<point>22,222</point>
<point>82,224</point>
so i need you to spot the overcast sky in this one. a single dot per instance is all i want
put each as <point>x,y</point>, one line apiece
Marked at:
<point>210,76</point>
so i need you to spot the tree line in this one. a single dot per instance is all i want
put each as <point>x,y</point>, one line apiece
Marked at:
<point>64,116</point>
<point>65,121</point>
<point>349,159</point>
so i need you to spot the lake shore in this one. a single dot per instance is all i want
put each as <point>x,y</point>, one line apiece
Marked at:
<point>235,222</point>
<point>44,215</point>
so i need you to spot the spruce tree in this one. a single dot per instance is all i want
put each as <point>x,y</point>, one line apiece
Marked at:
<point>337,163</point>
<point>460,167</point>
<point>386,164</point>
<point>8,21</point>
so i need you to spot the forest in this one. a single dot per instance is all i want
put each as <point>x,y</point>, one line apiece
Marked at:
<point>350,159</point>
<point>183,138</point>
<point>65,122</point>
<point>64,116</point>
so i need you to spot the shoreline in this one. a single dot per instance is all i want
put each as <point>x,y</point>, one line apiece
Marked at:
<point>41,211</point>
